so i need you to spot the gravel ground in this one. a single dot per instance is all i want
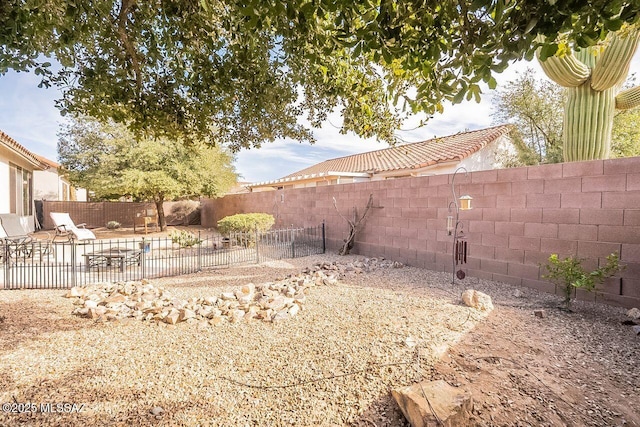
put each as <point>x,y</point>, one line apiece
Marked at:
<point>333,364</point>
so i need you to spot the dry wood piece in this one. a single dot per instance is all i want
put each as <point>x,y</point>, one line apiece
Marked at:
<point>354,225</point>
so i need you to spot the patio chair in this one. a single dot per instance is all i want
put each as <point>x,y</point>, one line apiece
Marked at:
<point>18,241</point>
<point>65,227</point>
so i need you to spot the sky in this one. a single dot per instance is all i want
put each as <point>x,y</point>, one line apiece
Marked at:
<point>29,116</point>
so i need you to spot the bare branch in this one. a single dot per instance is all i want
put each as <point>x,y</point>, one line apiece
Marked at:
<point>354,225</point>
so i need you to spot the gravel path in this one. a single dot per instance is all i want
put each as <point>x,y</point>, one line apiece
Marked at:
<point>331,365</point>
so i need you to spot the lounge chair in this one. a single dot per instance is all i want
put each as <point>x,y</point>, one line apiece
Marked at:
<point>18,240</point>
<point>65,227</point>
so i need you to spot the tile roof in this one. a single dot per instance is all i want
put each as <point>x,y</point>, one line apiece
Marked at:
<point>18,148</point>
<point>410,156</point>
<point>48,162</point>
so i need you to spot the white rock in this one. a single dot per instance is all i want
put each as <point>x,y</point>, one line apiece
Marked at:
<point>236,315</point>
<point>157,411</point>
<point>477,299</point>
<point>90,304</point>
<point>186,314</point>
<point>211,300</point>
<point>634,313</point>
<point>172,317</point>
<point>228,296</point>
<point>294,309</point>
<point>75,292</point>
<point>410,342</point>
<point>277,303</point>
<point>280,316</point>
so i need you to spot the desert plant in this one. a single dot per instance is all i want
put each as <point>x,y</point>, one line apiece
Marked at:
<point>112,225</point>
<point>569,274</point>
<point>184,239</point>
<point>593,77</point>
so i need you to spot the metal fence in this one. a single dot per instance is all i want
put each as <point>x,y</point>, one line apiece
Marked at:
<point>44,265</point>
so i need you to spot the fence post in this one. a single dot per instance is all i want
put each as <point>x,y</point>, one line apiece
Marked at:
<point>73,263</point>
<point>293,242</point>
<point>7,266</point>
<point>324,246</point>
<point>143,257</point>
<point>199,265</point>
<point>255,231</point>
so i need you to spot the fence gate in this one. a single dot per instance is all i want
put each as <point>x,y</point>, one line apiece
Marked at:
<point>60,265</point>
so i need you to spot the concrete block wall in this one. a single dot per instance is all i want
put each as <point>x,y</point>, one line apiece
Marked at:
<point>520,216</point>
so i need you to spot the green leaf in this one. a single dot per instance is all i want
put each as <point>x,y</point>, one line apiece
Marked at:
<point>614,24</point>
<point>548,51</point>
<point>459,96</point>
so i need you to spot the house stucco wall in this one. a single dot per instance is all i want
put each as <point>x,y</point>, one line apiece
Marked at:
<point>520,217</point>
<point>8,156</point>
<point>4,185</point>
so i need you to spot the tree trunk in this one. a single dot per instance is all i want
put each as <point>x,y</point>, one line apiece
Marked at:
<point>162,221</point>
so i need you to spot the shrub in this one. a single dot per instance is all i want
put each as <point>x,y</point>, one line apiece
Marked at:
<point>112,225</point>
<point>243,227</point>
<point>569,273</point>
<point>184,239</point>
<point>245,223</point>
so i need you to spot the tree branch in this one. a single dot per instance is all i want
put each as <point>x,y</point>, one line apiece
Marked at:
<point>125,6</point>
<point>353,225</point>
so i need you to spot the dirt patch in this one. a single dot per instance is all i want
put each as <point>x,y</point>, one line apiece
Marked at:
<point>576,369</point>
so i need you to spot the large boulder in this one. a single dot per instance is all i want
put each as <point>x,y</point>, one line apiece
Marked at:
<point>477,299</point>
<point>434,403</point>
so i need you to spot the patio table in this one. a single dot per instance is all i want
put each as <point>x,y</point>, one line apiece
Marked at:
<point>112,256</point>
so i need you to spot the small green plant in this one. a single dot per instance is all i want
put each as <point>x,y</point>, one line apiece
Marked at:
<point>569,274</point>
<point>184,239</point>
<point>112,225</point>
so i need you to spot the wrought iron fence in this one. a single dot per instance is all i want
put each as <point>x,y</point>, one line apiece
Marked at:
<point>42,265</point>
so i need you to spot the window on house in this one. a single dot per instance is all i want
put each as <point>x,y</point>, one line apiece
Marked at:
<point>20,191</point>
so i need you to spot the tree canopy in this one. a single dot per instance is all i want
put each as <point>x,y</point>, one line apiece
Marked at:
<point>244,72</point>
<point>110,161</point>
<point>535,107</point>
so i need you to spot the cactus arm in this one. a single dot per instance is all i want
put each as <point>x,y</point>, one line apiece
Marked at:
<point>613,66</point>
<point>628,99</point>
<point>567,71</point>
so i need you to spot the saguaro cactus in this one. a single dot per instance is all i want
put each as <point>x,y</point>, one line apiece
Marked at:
<point>593,78</point>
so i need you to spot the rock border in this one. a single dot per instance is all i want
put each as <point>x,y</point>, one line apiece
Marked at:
<point>269,302</point>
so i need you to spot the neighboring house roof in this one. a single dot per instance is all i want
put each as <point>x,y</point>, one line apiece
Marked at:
<point>48,162</point>
<point>239,188</point>
<point>14,146</point>
<point>414,155</point>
